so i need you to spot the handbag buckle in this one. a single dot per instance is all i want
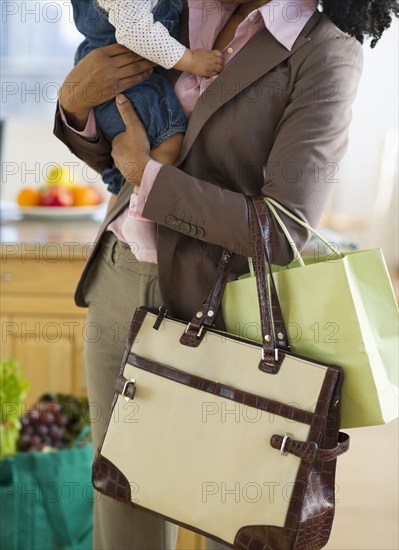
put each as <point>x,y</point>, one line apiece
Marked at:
<point>275,353</point>
<point>123,393</point>
<point>287,435</point>
<point>198,333</point>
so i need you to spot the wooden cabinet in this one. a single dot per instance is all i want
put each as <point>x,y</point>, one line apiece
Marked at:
<point>187,540</point>
<point>40,325</point>
<point>43,329</point>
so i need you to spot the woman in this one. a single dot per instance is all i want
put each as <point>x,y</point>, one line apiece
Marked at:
<point>274,122</point>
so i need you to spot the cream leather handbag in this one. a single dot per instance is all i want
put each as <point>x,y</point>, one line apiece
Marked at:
<point>230,438</point>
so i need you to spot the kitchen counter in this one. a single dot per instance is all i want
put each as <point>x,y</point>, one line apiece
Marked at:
<point>69,239</point>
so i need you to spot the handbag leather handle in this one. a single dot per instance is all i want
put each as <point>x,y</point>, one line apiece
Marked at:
<point>263,216</point>
<point>274,334</point>
<point>205,316</point>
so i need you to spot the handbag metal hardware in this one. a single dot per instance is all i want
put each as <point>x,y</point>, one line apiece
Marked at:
<point>198,333</point>
<point>131,381</point>
<point>287,435</point>
<point>263,352</point>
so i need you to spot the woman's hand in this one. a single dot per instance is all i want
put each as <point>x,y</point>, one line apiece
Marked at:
<point>99,77</point>
<point>130,149</point>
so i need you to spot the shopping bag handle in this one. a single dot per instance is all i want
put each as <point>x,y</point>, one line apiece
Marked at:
<point>273,205</point>
<point>272,323</point>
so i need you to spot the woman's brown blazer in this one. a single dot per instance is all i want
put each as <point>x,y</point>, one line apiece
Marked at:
<point>275,122</point>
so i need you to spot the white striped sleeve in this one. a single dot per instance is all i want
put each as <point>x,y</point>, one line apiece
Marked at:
<point>136,29</point>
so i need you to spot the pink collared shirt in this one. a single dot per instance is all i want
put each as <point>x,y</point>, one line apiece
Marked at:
<point>284,19</point>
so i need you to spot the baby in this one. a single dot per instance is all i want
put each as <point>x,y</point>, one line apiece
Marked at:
<point>149,28</point>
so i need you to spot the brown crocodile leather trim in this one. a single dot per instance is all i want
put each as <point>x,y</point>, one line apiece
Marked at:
<point>309,451</point>
<point>263,218</point>
<point>311,509</point>
<point>215,388</point>
<point>160,317</point>
<point>135,326</point>
<point>107,479</point>
<point>253,537</point>
<point>295,509</point>
<point>205,315</point>
<point>271,318</point>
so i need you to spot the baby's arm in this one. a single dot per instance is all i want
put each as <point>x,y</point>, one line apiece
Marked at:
<point>136,29</point>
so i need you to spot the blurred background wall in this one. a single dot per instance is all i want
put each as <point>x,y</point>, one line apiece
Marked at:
<point>365,200</point>
<point>38,42</point>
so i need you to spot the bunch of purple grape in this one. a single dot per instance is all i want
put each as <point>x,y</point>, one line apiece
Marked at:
<point>43,426</point>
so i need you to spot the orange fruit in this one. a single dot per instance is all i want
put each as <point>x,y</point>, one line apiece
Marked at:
<point>85,196</point>
<point>28,197</point>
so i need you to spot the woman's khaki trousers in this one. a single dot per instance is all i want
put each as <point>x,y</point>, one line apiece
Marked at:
<point>116,285</point>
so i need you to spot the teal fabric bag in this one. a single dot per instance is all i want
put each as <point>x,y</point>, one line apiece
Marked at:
<point>339,309</point>
<point>47,500</point>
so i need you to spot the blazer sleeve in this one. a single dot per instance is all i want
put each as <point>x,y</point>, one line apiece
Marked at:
<point>94,152</point>
<point>310,141</point>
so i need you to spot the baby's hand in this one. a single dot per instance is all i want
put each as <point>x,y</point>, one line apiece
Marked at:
<point>201,62</point>
<point>206,63</point>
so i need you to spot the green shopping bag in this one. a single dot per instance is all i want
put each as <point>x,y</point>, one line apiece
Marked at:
<point>339,309</point>
<point>47,500</point>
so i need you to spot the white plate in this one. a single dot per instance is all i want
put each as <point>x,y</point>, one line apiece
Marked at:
<point>55,212</point>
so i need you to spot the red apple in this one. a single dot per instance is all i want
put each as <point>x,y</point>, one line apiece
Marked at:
<point>56,195</point>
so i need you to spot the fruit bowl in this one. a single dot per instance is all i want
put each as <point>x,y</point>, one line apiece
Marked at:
<point>60,196</point>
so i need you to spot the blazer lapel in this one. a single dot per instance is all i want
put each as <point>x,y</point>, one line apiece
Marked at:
<point>257,58</point>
